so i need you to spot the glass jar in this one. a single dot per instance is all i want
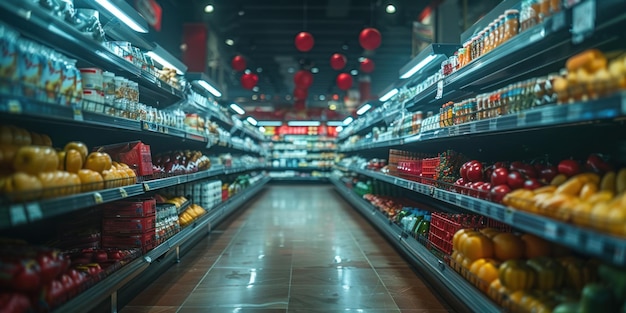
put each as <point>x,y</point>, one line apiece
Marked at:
<point>534,12</point>
<point>511,24</point>
<point>500,30</point>
<point>488,38</point>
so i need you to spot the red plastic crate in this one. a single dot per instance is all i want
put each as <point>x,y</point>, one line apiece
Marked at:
<point>443,226</point>
<point>135,154</point>
<point>429,166</point>
<point>145,241</point>
<point>139,208</point>
<point>139,225</point>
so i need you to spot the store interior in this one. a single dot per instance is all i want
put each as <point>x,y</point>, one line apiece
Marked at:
<point>312,156</point>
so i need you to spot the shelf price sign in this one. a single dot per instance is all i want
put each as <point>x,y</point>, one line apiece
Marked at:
<point>583,20</point>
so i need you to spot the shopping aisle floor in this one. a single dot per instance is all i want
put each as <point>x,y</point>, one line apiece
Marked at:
<point>297,248</point>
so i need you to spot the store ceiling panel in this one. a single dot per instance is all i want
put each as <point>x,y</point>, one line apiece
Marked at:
<point>264,32</point>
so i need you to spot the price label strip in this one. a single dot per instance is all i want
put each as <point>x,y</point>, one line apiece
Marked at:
<point>78,113</point>
<point>583,20</point>
<point>558,21</point>
<point>550,230</point>
<point>17,215</point>
<point>34,211</point>
<point>14,106</point>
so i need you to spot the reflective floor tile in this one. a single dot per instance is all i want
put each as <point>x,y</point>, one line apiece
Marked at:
<point>338,297</point>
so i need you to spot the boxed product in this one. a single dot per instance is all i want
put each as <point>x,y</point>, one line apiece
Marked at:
<point>131,208</point>
<point>128,225</point>
<point>144,241</point>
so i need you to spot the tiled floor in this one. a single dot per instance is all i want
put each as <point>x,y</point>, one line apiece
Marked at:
<point>296,249</point>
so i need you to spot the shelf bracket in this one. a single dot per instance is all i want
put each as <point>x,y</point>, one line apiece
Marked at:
<point>114,302</point>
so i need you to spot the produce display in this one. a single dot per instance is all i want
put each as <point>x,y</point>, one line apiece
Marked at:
<point>32,169</point>
<point>192,213</point>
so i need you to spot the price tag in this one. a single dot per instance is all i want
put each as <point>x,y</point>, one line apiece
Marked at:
<point>34,211</point>
<point>158,83</point>
<point>14,106</point>
<point>97,197</point>
<point>550,230</point>
<point>17,215</point>
<point>574,112</point>
<point>458,199</point>
<point>558,21</point>
<point>572,238</point>
<point>439,94</point>
<point>508,216</point>
<point>146,187</point>
<point>620,254</point>
<point>583,20</point>
<point>594,245</point>
<point>78,113</point>
<point>493,124</point>
<point>123,193</point>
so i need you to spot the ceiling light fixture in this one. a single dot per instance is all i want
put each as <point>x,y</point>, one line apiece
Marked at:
<point>388,95</point>
<point>262,129</point>
<point>270,123</point>
<point>237,108</point>
<point>334,123</point>
<point>348,120</point>
<point>390,9</point>
<point>230,42</point>
<point>259,69</point>
<point>164,58</point>
<point>252,121</point>
<point>241,12</point>
<point>363,109</point>
<point>315,70</point>
<point>304,123</point>
<point>255,88</point>
<point>332,107</point>
<point>209,8</point>
<point>339,128</point>
<point>354,72</point>
<point>322,97</point>
<point>417,67</point>
<point>210,88</point>
<point>134,24</point>
<point>428,60</point>
<point>203,80</point>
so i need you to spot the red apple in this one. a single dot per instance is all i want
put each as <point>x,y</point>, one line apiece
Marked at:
<point>569,167</point>
<point>597,164</point>
<point>527,170</point>
<point>484,190</point>
<point>499,176</point>
<point>100,256</point>
<point>548,173</point>
<point>515,180</point>
<point>68,284</point>
<point>498,193</point>
<point>463,170</point>
<point>115,255</point>
<point>475,172</point>
<point>532,184</point>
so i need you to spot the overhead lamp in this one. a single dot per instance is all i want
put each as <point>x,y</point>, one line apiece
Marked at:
<point>252,121</point>
<point>428,59</point>
<point>262,129</point>
<point>229,42</point>
<point>209,8</point>
<point>348,120</point>
<point>270,123</point>
<point>334,123</point>
<point>202,80</point>
<point>166,59</point>
<point>304,123</point>
<point>339,128</point>
<point>255,89</point>
<point>354,72</point>
<point>389,94</point>
<point>237,108</point>
<point>126,14</point>
<point>315,70</point>
<point>390,9</point>
<point>363,109</point>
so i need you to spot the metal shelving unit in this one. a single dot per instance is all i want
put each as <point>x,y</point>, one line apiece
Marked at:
<point>108,287</point>
<point>466,294</point>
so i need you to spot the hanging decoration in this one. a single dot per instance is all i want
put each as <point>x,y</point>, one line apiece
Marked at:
<point>338,61</point>
<point>303,79</point>
<point>344,81</point>
<point>249,80</point>
<point>238,63</point>
<point>370,38</point>
<point>367,65</point>
<point>304,41</point>
<point>300,94</point>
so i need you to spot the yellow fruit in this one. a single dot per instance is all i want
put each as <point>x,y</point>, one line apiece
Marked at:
<point>608,182</point>
<point>535,246</point>
<point>78,146</point>
<point>620,181</point>
<point>588,190</point>
<point>486,274</point>
<point>507,246</point>
<point>22,187</point>
<point>477,246</point>
<point>558,180</point>
<point>70,160</point>
<point>98,161</point>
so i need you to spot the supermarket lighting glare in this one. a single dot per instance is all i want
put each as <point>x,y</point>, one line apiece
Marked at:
<point>389,94</point>
<point>364,109</point>
<point>303,123</point>
<point>262,129</point>
<point>391,9</point>
<point>209,88</point>
<point>334,123</point>
<point>113,9</point>
<point>339,128</point>
<point>237,108</point>
<point>209,8</point>
<point>230,42</point>
<point>251,120</point>
<point>348,120</point>
<point>163,62</point>
<point>270,123</point>
<point>417,67</point>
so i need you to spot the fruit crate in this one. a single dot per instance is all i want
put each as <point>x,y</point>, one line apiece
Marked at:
<point>145,242</point>
<point>443,226</point>
<point>135,154</point>
<point>138,208</point>
<point>429,170</point>
<point>140,225</point>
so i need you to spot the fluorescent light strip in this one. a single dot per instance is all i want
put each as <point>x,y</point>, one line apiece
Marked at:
<point>348,120</point>
<point>339,128</point>
<point>163,62</point>
<point>334,123</point>
<point>364,109</point>
<point>237,108</point>
<point>262,129</point>
<point>122,16</point>
<point>304,123</point>
<point>270,123</point>
<point>418,67</point>
<point>251,120</point>
<point>389,94</point>
<point>210,88</point>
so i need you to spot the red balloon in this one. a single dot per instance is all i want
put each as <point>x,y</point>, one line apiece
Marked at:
<point>344,81</point>
<point>303,79</point>
<point>304,41</point>
<point>367,65</point>
<point>300,93</point>
<point>338,61</point>
<point>238,63</point>
<point>370,38</point>
<point>250,80</point>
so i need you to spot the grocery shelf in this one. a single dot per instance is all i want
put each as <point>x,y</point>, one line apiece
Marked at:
<point>162,129</point>
<point>605,109</point>
<point>32,20</point>
<point>367,122</point>
<point>299,179</point>
<point>29,212</point>
<point>607,247</point>
<point>463,292</point>
<point>297,168</point>
<point>93,296</point>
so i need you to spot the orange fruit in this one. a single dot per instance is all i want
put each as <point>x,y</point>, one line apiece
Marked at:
<point>535,246</point>
<point>477,246</point>
<point>507,246</point>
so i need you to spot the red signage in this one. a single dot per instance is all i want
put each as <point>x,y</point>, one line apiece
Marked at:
<point>151,12</point>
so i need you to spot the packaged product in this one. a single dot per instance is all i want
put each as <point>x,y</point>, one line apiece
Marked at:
<point>9,74</point>
<point>30,67</point>
<point>52,75</point>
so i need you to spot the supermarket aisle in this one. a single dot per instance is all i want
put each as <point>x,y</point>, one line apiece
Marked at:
<point>296,249</point>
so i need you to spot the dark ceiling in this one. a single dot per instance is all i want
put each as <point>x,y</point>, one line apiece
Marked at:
<point>263,32</point>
